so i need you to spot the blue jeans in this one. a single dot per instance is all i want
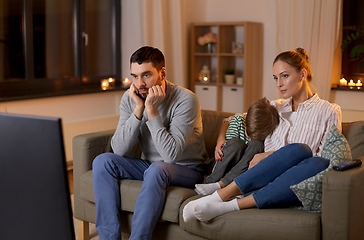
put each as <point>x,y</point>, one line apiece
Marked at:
<point>109,168</point>
<point>269,180</point>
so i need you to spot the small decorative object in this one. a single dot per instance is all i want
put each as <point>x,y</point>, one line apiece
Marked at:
<point>237,47</point>
<point>351,83</point>
<point>239,80</point>
<point>208,39</point>
<point>126,82</point>
<point>111,83</point>
<point>359,84</point>
<point>105,84</point>
<point>343,82</point>
<point>229,75</point>
<point>204,74</point>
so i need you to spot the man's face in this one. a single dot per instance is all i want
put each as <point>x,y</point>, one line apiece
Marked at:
<point>146,76</point>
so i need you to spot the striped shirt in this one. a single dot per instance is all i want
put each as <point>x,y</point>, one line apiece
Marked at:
<point>236,128</point>
<point>313,121</point>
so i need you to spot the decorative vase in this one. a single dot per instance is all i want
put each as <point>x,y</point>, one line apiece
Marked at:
<point>210,48</point>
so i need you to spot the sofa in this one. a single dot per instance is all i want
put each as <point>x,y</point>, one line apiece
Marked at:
<point>342,215</point>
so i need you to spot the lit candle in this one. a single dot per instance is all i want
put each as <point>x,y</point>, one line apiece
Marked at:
<point>104,84</point>
<point>359,84</point>
<point>111,82</point>
<point>343,82</point>
<point>126,82</point>
<point>351,83</point>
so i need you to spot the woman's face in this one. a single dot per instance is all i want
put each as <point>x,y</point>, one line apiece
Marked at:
<point>289,81</point>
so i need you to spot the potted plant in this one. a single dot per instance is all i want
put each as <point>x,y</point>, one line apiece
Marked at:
<point>229,75</point>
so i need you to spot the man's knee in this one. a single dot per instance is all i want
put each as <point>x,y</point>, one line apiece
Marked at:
<point>101,161</point>
<point>157,170</point>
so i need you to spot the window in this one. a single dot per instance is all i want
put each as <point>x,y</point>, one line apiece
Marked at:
<point>352,15</point>
<point>58,47</point>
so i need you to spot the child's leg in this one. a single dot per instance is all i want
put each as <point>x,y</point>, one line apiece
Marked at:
<point>233,151</point>
<point>253,147</point>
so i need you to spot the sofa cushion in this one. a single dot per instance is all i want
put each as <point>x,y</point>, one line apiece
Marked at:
<point>212,121</point>
<point>175,196</point>
<point>257,224</point>
<point>309,191</point>
<point>129,191</point>
<point>355,135</point>
<point>87,187</point>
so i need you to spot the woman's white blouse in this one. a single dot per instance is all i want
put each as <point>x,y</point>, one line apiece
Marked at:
<point>313,121</point>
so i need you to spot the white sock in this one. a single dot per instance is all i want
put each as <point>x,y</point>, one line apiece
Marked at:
<point>206,212</point>
<point>208,188</point>
<point>188,210</point>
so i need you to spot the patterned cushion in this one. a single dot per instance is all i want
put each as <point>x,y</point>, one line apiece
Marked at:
<point>309,191</point>
<point>236,128</point>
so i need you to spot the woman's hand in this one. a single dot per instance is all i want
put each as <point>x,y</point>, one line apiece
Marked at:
<point>218,150</point>
<point>257,158</point>
<point>221,140</point>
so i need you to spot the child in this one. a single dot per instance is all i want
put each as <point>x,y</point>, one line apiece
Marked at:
<point>261,120</point>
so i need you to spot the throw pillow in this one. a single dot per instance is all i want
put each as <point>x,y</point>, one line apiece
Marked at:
<point>236,128</point>
<point>309,192</point>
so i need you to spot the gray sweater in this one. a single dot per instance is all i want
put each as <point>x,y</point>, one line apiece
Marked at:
<point>175,136</point>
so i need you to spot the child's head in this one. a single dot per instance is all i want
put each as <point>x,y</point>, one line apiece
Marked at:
<point>261,119</point>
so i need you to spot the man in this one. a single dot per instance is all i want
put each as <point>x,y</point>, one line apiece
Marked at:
<point>166,120</point>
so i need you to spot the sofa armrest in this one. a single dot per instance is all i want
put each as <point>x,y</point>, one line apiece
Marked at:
<point>88,146</point>
<point>85,148</point>
<point>343,204</point>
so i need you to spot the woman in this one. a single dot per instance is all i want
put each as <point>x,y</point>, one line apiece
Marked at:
<point>292,152</point>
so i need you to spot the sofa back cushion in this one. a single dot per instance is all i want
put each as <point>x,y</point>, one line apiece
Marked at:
<point>212,121</point>
<point>354,133</point>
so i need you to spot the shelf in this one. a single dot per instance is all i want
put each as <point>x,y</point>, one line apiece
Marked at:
<point>229,85</point>
<point>205,84</point>
<point>246,59</point>
<point>197,54</point>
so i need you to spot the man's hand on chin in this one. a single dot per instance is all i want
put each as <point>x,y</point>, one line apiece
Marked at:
<point>155,96</point>
<point>139,102</point>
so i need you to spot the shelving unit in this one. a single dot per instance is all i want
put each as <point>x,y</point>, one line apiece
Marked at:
<point>216,94</point>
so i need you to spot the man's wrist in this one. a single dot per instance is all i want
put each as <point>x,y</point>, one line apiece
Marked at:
<point>138,112</point>
<point>152,112</point>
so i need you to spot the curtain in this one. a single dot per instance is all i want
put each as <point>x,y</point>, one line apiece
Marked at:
<point>156,23</point>
<point>314,25</point>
